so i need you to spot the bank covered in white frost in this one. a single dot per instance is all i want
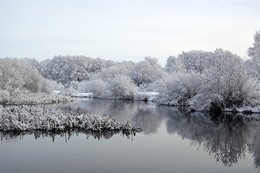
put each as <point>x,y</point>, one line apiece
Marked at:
<point>29,98</point>
<point>28,118</point>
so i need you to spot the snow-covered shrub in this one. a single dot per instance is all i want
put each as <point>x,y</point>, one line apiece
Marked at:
<point>122,87</point>
<point>74,84</point>
<point>114,87</point>
<point>96,86</point>
<point>226,84</point>
<point>70,91</point>
<point>194,61</point>
<point>18,74</point>
<point>4,96</point>
<point>48,86</point>
<point>65,69</point>
<point>157,85</point>
<point>174,65</point>
<point>25,97</point>
<point>112,71</point>
<point>179,88</point>
<point>145,72</point>
<point>206,102</point>
<point>29,118</point>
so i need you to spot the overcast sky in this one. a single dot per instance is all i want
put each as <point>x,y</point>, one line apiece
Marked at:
<point>125,29</point>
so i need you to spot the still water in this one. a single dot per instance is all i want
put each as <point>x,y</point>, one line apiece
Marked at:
<point>172,140</point>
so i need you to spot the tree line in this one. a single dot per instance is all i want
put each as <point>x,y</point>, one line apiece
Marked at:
<point>203,80</point>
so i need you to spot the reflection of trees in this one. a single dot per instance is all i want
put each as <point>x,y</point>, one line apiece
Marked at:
<point>119,109</point>
<point>144,115</point>
<point>225,137</point>
<point>227,142</point>
<point>12,135</point>
<point>148,119</point>
<point>254,146</point>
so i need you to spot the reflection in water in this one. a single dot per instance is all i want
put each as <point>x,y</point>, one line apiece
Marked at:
<point>148,119</point>
<point>227,138</point>
<point>254,147</point>
<point>10,136</point>
<point>119,109</point>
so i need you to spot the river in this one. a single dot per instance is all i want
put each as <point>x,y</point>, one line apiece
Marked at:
<point>173,140</point>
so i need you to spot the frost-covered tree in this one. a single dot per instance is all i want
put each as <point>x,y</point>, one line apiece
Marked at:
<point>117,69</point>
<point>48,86</point>
<point>174,65</point>
<point>96,86</point>
<point>196,60</point>
<point>65,69</point>
<point>147,71</point>
<point>214,82</point>
<point>122,87</point>
<point>177,89</point>
<point>253,65</point>
<point>18,74</point>
<point>254,52</point>
<point>225,84</point>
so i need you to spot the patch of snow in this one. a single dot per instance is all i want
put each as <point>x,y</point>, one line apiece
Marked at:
<point>56,92</point>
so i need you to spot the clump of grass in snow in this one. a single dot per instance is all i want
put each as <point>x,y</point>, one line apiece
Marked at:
<point>29,118</point>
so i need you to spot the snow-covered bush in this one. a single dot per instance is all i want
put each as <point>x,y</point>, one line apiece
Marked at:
<point>226,84</point>
<point>74,84</point>
<point>25,97</point>
<point>195,61</point>
<point>4,96</point>
<point>122,87</point>
<point>96,86</point>
<point>18,74</point>
<point>115,86</point>
<point>207,101</point>
<point>214,82</point>
<point>29,118</point>
<point>179,88</point>
<point>145,72</point>
<point>69,91</point>
<point>48,86</point>
<point>112,71</point>
<point>65,69</point>
<point>174,64</point>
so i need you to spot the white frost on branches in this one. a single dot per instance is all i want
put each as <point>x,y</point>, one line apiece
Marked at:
<point>28,118</point>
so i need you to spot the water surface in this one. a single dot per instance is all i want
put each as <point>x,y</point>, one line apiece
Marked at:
<point>172,140</point>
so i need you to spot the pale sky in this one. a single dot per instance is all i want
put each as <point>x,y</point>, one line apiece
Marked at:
<point>125,29</point>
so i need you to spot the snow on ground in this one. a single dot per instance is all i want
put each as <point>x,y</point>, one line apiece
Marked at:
<point>28,118</point>
<point>56,92</point>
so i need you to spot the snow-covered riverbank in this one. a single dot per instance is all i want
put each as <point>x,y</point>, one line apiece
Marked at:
<point>28,118</point>
<point>29,98</point>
